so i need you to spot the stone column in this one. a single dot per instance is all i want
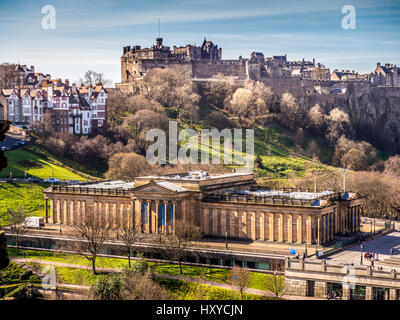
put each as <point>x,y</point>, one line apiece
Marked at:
<point>46,210</point>
<point>214,227</point>
<point>223,222</point>
<point>280,226</point>
<point>309,229</point>
<point>58,211</point>
<point>319,231</point>
<point>148,213</point>
<point>299,229</point>
<point>234,224</point>
<point>290,228</point>
<point>72,212</point>
<point>253,235</point>
<point>174,217</point>
<point>368,293</point>
<point>262,225</point>
<point>157,216</point>
<point>271,227</point>
<point>139,224</point>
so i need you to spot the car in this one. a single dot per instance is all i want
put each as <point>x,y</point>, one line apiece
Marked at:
<point>52,180</point>
<point>22,142</point>
<point>3,148</point>
<point>16,144</point>
<point>34,179</point>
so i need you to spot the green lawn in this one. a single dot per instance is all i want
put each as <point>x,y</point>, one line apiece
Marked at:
<point>29,195</point>
<point>179,290</point>
<point>21,161</point>
<point>213,274</point>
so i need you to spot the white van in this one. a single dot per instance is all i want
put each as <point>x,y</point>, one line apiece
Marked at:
<point>34,222</point>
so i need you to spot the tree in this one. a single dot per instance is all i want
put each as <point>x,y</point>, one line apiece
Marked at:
<point>16,218</point>
<point>240,279</point>
<point>355,155</point>
<point>138,286</point>
<point>128,285</point>
<point>92,78</point>
<point>129,235</point>
<point>175,246</point>
<point>316,118</point>
<point>91,233</point>
<point>107,288</point>
<point>9,77</point>
<point>172,88</point>
<point>275,284</point>
<point>250,102</point>
<point>219,89</point>
<point>289,109</point>
<point>338,122</point>
<point>127,166</point>
<point>392,166</point>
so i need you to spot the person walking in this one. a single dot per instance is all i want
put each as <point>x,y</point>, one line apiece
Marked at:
<point>391,251</point>
<point>372,263</point>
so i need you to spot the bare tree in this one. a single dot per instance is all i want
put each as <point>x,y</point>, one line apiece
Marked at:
<point>240,279</point>
<point>91,233</point>
<point>16,218</point>
<point>129,235</point>
<point>92,78</point>
<point>136,286</point>
<point>275,284</point>
<point>127,166</point>
<point>9,77</point>
<point>175,246</point>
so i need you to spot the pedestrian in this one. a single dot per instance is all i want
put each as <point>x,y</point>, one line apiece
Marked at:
<point>372,263</point>
<point>391,251</point>
<point>304,255</point>
<point>377,257</point>
<point>329,296</point>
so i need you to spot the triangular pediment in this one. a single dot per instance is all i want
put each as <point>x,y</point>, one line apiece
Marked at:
<point>152,188</point>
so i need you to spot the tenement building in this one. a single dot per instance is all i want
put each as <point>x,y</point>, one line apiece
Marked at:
<point>221,204</point>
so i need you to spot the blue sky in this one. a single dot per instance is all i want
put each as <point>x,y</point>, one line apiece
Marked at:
<point>91,34</point>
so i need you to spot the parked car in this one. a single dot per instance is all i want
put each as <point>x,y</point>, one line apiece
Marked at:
<point>34,179</point>
<point>34,222</point>
<point>52,180</point>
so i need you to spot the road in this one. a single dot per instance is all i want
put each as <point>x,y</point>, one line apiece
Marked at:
<point>9,140</point>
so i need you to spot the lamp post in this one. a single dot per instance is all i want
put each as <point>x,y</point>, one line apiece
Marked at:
<point>371,228</point>
<point>361,257</point>
<point>305,251</point>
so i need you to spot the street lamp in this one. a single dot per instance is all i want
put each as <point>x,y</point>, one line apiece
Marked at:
<point>371,228</point>
<point>361,256</point>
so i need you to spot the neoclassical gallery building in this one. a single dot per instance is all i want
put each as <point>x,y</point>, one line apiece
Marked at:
<point>222,205</point>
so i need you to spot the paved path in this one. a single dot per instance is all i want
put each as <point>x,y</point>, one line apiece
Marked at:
<point>182,278</point>
<point>380,245</point>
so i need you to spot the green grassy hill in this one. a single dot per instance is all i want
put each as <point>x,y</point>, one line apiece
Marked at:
<point>14,195</point>
<point>21,161</point>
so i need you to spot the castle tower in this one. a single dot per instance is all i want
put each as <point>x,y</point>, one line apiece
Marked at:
<point>159,42</point>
